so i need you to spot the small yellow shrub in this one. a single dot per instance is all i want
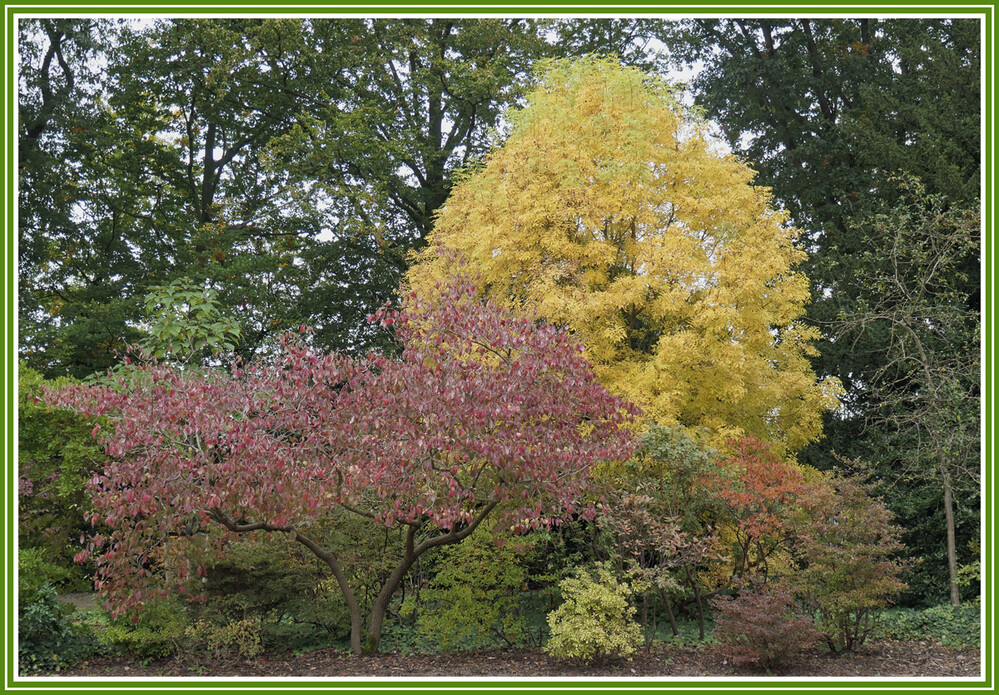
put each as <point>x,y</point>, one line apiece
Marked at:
<point>595,621</point>
<point>238,639</point>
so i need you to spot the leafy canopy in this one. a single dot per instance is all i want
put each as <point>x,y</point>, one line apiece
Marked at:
<point>481,411</point>
<point>609,211</point>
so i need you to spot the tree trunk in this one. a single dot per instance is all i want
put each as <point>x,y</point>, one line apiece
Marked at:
<point>412,553</point>
<point>697,596</point>
<point>948,488</point>
<point>381,603</point>
<point>669,613</point>
<point>341,579</point>
<point>645,618</point>
<point>955,593</point>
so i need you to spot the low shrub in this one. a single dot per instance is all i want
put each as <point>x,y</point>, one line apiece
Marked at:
<point>267,579</point>
<point>235,640</point>
<point>596,619</point>
<point>763,626</point>
<point>47,639</point>
<point>155,633</point>
<point>56,456</point>
<point>473,601</point>
<point>849,552</point>
<point>947,625</point>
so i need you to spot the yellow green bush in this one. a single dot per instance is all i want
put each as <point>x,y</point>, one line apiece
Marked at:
<point>596,619</point>
<point>237,639</point>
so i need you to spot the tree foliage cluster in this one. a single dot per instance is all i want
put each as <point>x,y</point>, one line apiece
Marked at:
<point>607,211</point>
<point>832,114</point>
<point>411,321</point>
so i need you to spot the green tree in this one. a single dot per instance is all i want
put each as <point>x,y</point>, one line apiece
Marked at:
<point>824,107</point>
<point>217,92</point>
<point>288,164</point>
<point>398,106</point>
<point>74,260</point>
<point>120,217</point>
<point>927,396</point>
<point>629,38</point>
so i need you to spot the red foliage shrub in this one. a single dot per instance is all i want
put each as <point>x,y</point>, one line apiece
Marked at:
<point>758,491</point>
<point>483,411</point>
<point>763,626</point>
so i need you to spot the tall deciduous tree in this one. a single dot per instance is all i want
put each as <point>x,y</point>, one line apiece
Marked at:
<point>215,93</point>
<point>389,111</point>
<point>928,393</point>
<point>826,109</point>
<point>270,158</point>
<point>609,211</point>
<point>70,265</point>
<point>148,189</point>
<point>398,105</point>
<point>823,107</point>
<point>632,39</point>
<point>483,413</point>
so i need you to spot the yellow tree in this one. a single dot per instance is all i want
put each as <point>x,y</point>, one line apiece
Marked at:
<point>610,211</point>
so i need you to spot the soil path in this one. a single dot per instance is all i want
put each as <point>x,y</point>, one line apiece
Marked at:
<point>893,659</point>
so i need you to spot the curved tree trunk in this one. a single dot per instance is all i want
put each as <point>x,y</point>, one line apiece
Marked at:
<point>370,641</point>
<point>412,553</point>
<point>669,612</point>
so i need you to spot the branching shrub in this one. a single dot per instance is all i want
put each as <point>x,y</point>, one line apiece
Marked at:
<point>762,626</point>
<point>596,620</point>
<point>661,518</point>
<point>473,601</point>
<point>848,550</point>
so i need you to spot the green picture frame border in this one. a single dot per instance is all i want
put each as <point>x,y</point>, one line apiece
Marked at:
<point>986,12</point>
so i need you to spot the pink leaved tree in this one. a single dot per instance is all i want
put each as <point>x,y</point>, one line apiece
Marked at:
<point>484,413</point>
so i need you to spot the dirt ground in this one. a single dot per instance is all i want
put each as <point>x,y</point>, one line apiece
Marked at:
<point>899,659</point>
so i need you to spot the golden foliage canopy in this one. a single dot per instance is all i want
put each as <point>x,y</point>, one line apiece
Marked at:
<point>610,211</point>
